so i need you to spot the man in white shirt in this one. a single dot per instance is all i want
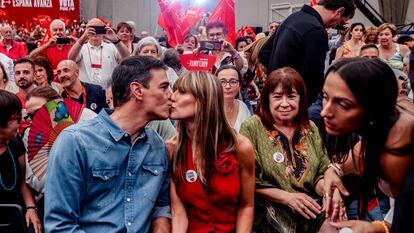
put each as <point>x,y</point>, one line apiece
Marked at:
<point>97,59</point>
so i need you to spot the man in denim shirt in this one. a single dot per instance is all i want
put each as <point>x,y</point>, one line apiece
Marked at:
<point>110,174</point>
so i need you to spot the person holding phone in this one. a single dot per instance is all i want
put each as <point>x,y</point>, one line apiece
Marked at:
<point>96,57</point>
<point>223,50</point>
<point>58,46</point>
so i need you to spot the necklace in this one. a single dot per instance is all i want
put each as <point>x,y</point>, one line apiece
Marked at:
<point>15,173</point>
<point>230,110</point>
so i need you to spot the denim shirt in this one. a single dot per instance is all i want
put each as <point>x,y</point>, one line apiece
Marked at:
<point>97,181</point>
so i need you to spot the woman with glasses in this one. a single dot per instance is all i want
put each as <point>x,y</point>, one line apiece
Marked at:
<point>290,158</point>
<point>212,173</point>
<point>235,110</point>
<point>227,54</point>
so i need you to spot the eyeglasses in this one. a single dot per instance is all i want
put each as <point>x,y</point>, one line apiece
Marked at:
<point>217,35</point>
<point>231,82</point>
<point>29,116</point>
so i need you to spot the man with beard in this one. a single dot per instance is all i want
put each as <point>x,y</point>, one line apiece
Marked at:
<point>24,78</point>
<point>90,95</point>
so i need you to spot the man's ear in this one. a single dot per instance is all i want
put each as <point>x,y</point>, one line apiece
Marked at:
<point>339,11</point>
<point>135,89</point>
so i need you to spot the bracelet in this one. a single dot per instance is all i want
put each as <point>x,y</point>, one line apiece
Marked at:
<point>31,208</point>
<point>386,229</point>
<point>116,42</point>
<point>336,168</point>
<point>79,42</point>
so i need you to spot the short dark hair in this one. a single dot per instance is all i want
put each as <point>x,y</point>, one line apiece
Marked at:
<point>132,69</point>
<point>46,92</point>
<point>239,40</point>
<point>24,60</point>
<point>43,62</point>
<point>404,39</point>
<point>10,106</point>
<point>231,67</point>
<point>216,24</point>
<point>5,75</point>
<point>171,58</point>
<point>289,79</point>
<point>368,46</point>
<point>336,4</point>
<point>123,25</point>
<point>189,35</point>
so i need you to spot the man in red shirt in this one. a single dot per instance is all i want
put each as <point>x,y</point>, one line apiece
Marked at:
<point>10,47</point>
<point>24,78</point>
<point>55,52</point>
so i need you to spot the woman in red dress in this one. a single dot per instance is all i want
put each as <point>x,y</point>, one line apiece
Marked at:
<point>212,183</point>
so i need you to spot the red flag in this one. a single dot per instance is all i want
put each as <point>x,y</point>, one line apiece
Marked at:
<point>312,2</point>
<point>193,14</point>
<point>44,21</point>
<point>224,12</point>
<point>173,20</point>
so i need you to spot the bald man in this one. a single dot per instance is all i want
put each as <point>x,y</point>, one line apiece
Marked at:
<point>95,57</point>
<point>53,51</point>
<point>90,95</point>
<point>10,47</point>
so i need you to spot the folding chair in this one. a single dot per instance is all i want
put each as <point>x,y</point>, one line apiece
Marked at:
<point>11,219</point>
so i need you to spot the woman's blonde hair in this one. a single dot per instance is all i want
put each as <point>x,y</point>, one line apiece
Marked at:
<point>210,126</point>
<point>253,49</point>
<point>390,26</point>
<point>371,30</point>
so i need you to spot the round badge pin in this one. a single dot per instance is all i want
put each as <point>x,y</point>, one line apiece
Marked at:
<point>93,106</point>
<point>278,157</point>
<point>191,176</point>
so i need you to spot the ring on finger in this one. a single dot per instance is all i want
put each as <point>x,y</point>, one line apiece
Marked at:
<point>326,195</point>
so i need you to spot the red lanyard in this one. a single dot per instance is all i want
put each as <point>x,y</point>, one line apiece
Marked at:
<point>95,65</point>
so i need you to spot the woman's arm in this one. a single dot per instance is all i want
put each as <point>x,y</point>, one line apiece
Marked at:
<point>178,212</point>
<point>300,203</point>
<point>28,197</point>
<point>246,158</point>
<point>339,53</point>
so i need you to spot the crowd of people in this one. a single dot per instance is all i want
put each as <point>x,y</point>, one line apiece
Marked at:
<point>292,130</point>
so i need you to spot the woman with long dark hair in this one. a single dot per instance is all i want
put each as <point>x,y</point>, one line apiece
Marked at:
<point>370,133</point>
<point>212,183</point>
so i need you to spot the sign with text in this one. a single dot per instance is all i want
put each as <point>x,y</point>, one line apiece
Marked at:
<point>201,62</point>
<point>23,11</point>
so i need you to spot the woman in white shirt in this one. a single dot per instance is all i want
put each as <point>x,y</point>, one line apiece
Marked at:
<point>236,111</point>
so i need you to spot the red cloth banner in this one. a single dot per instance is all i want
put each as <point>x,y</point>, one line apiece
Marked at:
<point>173,19</point>
<point>22,10</point>
<point>201,62</point>
<point>224,12</point>
<point>312,2</point>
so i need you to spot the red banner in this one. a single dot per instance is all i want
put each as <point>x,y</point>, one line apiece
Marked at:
<point>22,11</point>
<point>201,62</point>
<point>312,2</point>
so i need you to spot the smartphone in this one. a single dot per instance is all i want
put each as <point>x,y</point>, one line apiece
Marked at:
<point>63,40</point>
<point>210,45</point>
<point>99,29</point>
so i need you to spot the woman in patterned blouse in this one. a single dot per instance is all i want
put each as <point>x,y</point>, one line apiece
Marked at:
<point>290,158</point>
